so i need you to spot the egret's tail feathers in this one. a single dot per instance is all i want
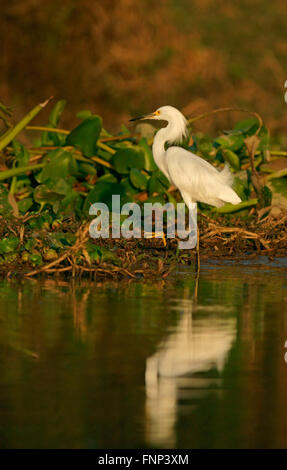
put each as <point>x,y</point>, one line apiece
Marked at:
<point>226,175</point>
<point>229,195</point>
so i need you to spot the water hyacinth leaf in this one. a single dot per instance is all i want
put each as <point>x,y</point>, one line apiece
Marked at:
<point>231,158</point>
<point>264,139</point>
<point>49,254</point>
<point>85,135</point>
<point>36,259</point>
<point>128,187</point>
<point>94,251</point>
<point>107,178</point>
<point>98,253</point>
<point>204,145</point>
<point>8,245</point>
<point>61,186</point>
<point>280,186</point>
<point>25,204</point>
<point>23,183</point>
<point>21,153</point>
<point>103,192</point>
<point>10,257</point>
<point>158,183</point>
<point>149,164</point>
<point>43,194</point>
<point>59,164</point>
<point>241,188</point>
<point>127,158</point>
<point>265,197</point>
<point>87,169</point>
<point>29,244</point>
<point>138,179</point>
<point>279,190</point>
<point>247,126</point>
<point>59,240</point>
<point>108,255</point>
<point>70,205</point>
<point>230,142</point>
<point>40,222</point>
<point>51,191</point>
<point>84,114</point>
<point>25,256</point>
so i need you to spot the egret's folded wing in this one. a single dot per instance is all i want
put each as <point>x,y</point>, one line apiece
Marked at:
<point>195,176</point>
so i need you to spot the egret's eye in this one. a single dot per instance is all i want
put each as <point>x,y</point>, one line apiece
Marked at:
<point>157,113</point>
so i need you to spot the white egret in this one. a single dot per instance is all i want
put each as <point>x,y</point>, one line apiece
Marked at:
<point>196,179</point>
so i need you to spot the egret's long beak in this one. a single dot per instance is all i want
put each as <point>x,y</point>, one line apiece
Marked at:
<point>144,116</point>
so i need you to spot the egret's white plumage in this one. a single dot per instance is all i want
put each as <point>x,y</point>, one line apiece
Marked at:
<point>196,179</point>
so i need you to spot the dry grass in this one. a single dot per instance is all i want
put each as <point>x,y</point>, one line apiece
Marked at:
<point>151,259</point>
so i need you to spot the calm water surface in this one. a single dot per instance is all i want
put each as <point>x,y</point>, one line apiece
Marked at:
<point>162,364</point>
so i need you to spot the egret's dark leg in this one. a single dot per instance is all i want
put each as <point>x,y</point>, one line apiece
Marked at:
<point>197,257</point>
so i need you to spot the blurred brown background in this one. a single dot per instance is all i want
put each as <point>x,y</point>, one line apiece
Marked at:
<point>120,57</point>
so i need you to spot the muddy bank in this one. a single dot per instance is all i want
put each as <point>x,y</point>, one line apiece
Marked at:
<point>68,250</point>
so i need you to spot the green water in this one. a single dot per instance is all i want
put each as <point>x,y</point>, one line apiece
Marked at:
<point>124,365</point>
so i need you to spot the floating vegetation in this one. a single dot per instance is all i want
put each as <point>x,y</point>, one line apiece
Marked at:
<point>47,188</point>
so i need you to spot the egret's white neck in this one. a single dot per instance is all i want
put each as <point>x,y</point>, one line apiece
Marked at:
<point>170,133</point>
<point>158,150</point>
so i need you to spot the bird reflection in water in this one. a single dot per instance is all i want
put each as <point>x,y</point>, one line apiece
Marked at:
<point>178,370</point>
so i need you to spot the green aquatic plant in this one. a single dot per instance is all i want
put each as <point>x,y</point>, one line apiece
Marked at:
<point>51,183</point>
<point>64,170</point>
